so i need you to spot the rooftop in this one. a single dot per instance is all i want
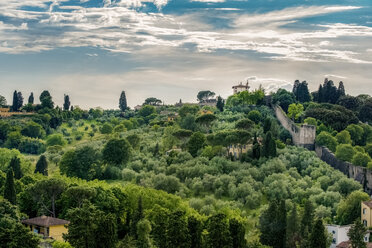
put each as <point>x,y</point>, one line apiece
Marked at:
<point>347,244</point>
<point>368,203</point>
<point>45,221</point>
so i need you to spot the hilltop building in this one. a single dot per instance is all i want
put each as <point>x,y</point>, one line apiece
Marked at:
<point>240,87</point>
<point>48,227</point>
<point>367,213</point>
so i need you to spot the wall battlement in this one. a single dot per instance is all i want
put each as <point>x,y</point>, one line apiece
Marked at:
<point>303,136</point>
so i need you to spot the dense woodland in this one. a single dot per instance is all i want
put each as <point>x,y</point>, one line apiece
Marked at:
<point>162,176</point>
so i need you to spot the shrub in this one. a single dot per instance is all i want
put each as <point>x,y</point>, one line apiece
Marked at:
<point>106,129</point>
<point>345,152</point>
<point>32,146</point>
<point>326,139</point>
<point>55,139</point>
<point>255,116</point>
<point>310,121</point>
<point>361,159</point>
<point>343,137</point>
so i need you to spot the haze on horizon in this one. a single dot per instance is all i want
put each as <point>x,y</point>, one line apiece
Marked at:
<point>94,49</point>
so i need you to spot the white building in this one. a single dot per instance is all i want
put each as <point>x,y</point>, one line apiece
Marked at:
<point>240,87</point>
<point>339,234</point>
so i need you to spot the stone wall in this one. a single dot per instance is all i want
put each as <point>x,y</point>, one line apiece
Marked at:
<point>358,173</point>
<point>303,136</point>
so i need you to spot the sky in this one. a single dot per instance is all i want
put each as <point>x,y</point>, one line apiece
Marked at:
<point>171,49</point>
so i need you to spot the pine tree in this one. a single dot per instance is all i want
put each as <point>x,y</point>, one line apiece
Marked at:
<point>9,188</point>
<point>15,101</point>
<point>31,98</point>
<point>19,100</point>
<point>42,166</point>
<point>15,164</point>
<point>220,104</point>
<point>123,102</point>
<point>67,103</point>
<point>237,232</point>
<point>269,148</point>
<point>356,234</point>
<point>318,236</point>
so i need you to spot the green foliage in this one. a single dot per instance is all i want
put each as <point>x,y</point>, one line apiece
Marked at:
<point>55,140</point>
<point>90,227</point>
<point>42,166</point>
<point>283,98</point>
<point>237,232</point>
<point>345,152</point>
<point>204,95</point>
<point>220,103</point>
<point>301,91</point>
<point>195,228</point>
<point>31,146</point>
<point>344,137</point>
<point>134,140</point>
<point>269,147</point>
<point>82,162</point>
<point>295,111</point>
<point>327,140</point>
<point>244,124</point>
<point>311,121</point>
<point>318,237</point>
<point>46,100</point>
<point>368,149</point>
<point>177,233</point>
<point>361,159</point>
<point>196,142</point>
<point>219,235</point>
<point>15,165</point>
<point>117,152</point>
<point>254,116</point>
<point>61,244</point>
<point>245,98</point>
<point>9,188</point>
<point>33,130</point>
<point>143,234</point>
<point>356,234</point>
<point>66,103</point>
<point>106,128</point>
<point>188,109</point>
<point>123,102</point>
<point>2,101</point>
<point>14,139</point>
<point>349,209</point>
<point>152,101</point>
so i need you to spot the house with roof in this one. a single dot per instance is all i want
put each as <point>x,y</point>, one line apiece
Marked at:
<point>240,87</point>
<point>47,226</point>
<point>366,213</point>
<point>347,244</point>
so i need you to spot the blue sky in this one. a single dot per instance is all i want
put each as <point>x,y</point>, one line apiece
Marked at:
<point>171,49</point>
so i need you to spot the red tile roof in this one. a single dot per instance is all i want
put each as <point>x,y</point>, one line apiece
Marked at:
<point>347,244</point>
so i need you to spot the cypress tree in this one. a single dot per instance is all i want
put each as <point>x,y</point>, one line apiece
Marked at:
<point>15,164</point>
<point>19,100</point>
<point>256,149</point>
<point>318,237</point>
<point>9,188</point>
<point>303,94</point>
<point>320,94</point>
<point>356,234</point>
<point>293,229</point>
<point>67,103</point>
<point>218,232</point>
<point>341,90</point>
<point>267,125</point>
<point>31,98</point>
<point>195,232</point>
<point>220,103</point>
<point>42,166</point>
<point>237,232</point>
<point>15,101</point>
<point>123,102</point>
<point>137,216</point>
<point>269,149</point>
<point>177,231</point>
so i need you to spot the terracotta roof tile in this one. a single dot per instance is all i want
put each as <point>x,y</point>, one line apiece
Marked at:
<point>45,221</point>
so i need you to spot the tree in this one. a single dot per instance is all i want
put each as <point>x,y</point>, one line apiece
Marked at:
<point>327,140</point>
<point>137,216</point>
<point>350,102</point>
<point>33,130</point>
<point>67,103</point>
<point>283,98</point>
<point>19,100</point>
<point>349,209</point>
<point>301,91</point>
<point>83,162</point>
<point>365,113</point>
<point>42,166</point>
<point>46,100</point>
<point>117,152</point>
<point>237,232</point>
<point>195,229</point>
<point>143,234</point>
<point>269,147</point>
<point>9,188</point>
<point>344,137</point>
<point>15,164</point>
<point>188,109</point>
<point>106,128</point>
<point>55,140</point>
<point>318,237</point>
<point>361,159</point>
<point>293,229</point>
<point>244,124</point>
<point>31,98</point>
<point>196,142</point>
<point>311,121</point>
<point>152,101</point>
<point>46,192</point>
<point>341,90</point>
<point>91,228</point>
<point>218,232</point>
<point>206,119</point>
<point>15,101</point>
<point>2,101</point>
<point>205,95</point>
<point>307,223</point>
<point>220,103</point>
<point>256,148</point>
<point>123,102</point>
<point>295,111</point>
<point>356,234</point>
<point>177,232</point>
<point>345,152</point>
<point>255,116</point>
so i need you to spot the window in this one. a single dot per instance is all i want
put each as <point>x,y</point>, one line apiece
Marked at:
<point>365,239</point>
<point>364,210</point>
<point>364,222</point>
<point>333,232</point>
<point>334,241</point>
